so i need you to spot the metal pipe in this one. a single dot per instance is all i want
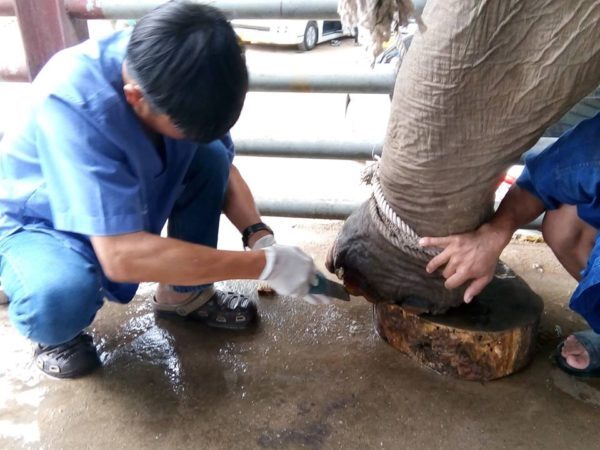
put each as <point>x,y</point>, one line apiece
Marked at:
<point>379,80</point>
<point>331,209</point>
<point>328,148</point>
<point>354,150</point>
<point>7,8</point>
<point>334,209</point>
<point>315,148</point>
<point>376,81</point>
<point>234,9</point>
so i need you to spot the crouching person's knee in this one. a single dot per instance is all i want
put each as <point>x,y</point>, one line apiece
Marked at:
<point>570,238</point>
<point>59,309</point>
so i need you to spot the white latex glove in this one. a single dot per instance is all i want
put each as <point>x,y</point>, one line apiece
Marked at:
<point>264,242</point>
<point>290,271</point>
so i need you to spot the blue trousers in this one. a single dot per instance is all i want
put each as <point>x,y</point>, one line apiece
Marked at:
<point>55,291</point>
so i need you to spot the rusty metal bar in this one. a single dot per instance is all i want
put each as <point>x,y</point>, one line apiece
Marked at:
<point>234,9</point>
<point>46,28</point>
<point>7,8</point>
<point>13,72</point>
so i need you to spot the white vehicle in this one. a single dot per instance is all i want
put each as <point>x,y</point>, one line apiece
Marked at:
<point>306,34</point>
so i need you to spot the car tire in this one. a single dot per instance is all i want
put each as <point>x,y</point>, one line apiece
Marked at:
<point>311,37</point>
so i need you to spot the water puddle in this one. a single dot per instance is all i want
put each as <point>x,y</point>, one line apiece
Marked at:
<point>141,344</point>
<point>28,433</point>
<point>22,391</point>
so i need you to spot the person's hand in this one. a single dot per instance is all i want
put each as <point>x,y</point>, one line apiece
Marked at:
<point>290,271</point>
<point>468,257</point>
<point>266,241</point>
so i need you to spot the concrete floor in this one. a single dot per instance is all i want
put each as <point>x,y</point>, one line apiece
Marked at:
<point>308,377</point>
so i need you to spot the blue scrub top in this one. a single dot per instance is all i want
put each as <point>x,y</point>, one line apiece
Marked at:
<point>81,163</point>
<point>568,172</point>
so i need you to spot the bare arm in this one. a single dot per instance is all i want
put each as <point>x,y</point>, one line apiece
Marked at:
<point>138,257</point>
<point>473,256</point>
<point>240,207</point>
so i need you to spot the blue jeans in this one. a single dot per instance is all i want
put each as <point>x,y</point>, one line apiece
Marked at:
<point>55,290</point>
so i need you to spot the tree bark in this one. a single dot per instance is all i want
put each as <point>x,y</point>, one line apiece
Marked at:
<point>485,340</point>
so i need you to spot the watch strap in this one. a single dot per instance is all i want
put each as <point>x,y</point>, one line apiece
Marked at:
<point>249,231</point>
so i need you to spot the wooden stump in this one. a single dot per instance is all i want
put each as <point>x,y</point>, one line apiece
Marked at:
<point>492,337</point>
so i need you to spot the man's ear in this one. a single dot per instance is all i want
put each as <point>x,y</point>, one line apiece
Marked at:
<point>134,95</point>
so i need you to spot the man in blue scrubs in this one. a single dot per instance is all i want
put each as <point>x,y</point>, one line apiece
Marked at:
<point>564,181</point>
<point>125,133</point>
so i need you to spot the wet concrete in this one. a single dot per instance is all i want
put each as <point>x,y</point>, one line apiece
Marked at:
<point>308,377</point>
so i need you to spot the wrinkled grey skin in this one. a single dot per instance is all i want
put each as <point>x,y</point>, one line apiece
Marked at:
<point>374,270</point>
<point>474,91</point>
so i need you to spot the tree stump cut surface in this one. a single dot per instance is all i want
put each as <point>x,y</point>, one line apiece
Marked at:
<point>492,337</point>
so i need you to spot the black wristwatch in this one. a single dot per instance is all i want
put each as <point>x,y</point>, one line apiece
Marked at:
<point>249,231</point>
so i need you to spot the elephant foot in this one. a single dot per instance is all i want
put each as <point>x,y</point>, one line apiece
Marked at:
<point>370,266</point>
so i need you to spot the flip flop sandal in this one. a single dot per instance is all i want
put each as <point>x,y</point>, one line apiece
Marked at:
<point>591,342</point>
<point>213,308</point>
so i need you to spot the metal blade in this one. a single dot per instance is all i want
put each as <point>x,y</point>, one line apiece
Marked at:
<point>323,286</point>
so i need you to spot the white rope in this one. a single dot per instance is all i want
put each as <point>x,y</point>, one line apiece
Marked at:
<point>399,233</point>
<point>380,17</point>
<point>389,213</point>
<point>389,224</point>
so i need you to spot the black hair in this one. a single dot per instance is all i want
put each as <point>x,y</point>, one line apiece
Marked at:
<point>190,66</point>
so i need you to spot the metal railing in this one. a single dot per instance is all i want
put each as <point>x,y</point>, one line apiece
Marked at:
<point>330,148</point>
<point>234,9</point>
<point>64,25</point>
<point>332,209</point>
<point>50,25</point>
<point>245,9</point>
<point>377,81</point>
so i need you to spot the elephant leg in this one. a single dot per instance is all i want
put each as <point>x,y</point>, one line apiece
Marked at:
<point>372,267</point>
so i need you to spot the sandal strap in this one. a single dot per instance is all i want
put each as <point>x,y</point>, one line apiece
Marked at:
<point>185,309</point>
<point>232,300</point>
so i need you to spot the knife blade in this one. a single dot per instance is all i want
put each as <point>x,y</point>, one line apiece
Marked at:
<point>323,286</point>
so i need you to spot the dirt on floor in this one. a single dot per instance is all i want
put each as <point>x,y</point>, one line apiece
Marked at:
<point>308,377</point>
